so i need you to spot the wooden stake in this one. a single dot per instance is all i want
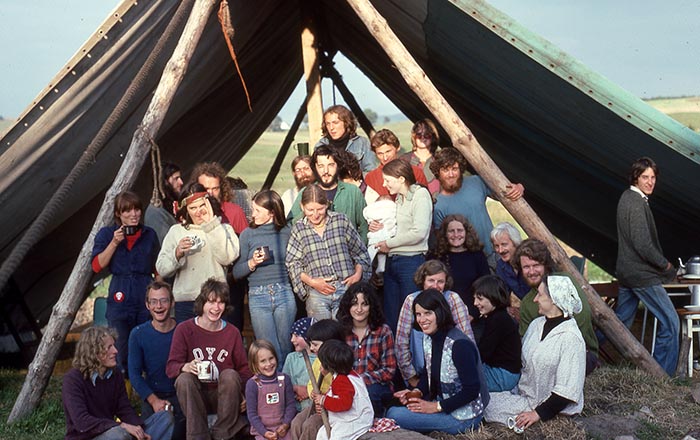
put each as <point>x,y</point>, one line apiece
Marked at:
<point>65,309</point>
<point>317,390</point>
<point>466,143</point>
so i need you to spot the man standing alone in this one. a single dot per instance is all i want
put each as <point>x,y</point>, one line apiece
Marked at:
<point>641,265</point>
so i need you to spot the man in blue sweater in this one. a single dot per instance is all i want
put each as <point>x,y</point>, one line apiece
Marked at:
<point>149,346</point>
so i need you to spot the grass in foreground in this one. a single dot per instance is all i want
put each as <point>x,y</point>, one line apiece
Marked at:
<point>649,408</point>
<point>46,422</point>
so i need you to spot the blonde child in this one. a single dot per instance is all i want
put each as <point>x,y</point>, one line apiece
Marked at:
<point>269,395</point>
<point>294,364</point>
<point>348,404</point>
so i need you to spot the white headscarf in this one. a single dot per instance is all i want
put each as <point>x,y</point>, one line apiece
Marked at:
<point>564,294</point>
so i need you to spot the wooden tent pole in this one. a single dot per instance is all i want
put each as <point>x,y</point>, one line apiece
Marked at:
<point>65,309</point>
<point>466,143</point>
<point>270,179</point>
<point>309,51</point>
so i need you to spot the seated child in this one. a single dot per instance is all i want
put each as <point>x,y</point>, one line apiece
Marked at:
<point>306,424</point>
<point>349,408</point>
<point>269,395</point>
<point>499,344</point>
<point>384,212</point>
<point>295,366</point>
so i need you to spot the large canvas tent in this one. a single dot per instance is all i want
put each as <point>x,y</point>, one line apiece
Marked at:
<point>567,133</point>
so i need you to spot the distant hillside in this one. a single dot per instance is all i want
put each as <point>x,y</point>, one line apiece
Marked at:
<point>685,110</point>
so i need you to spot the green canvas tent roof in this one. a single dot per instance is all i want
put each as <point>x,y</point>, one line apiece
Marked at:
<point>549,122</point>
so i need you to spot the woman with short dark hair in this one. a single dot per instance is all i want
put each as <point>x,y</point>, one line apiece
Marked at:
<point>129,249</point>
<point>451,394</point>
<point>263,250</point>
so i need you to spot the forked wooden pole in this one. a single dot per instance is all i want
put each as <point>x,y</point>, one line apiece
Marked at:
<point>466,143</point>
<point>67,306</point>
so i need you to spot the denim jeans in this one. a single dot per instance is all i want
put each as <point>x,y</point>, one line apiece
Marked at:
<point>159,425</point>
<point>322,306</point>
<point>123,326</point>
<point>184,310</point>
<point>178,416</point>
<point>272,311</point>
<point>398,284</point>
<point>426,423</point>
<point>378,394</point>
<point>499,379</point>
<point>656,300</point>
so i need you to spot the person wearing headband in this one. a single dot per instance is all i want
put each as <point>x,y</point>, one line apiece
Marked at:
<point>554,361</point>
<point>198,248</point>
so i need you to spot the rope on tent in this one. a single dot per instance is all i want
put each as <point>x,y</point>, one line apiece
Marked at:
<point>227,29</point>
<point>115,120</point>
<point>157,171</point>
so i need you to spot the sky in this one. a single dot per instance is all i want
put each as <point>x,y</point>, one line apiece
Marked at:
<point>649,47</point>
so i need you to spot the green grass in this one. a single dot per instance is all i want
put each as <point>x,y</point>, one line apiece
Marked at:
<point>46,422</point>
<point>689,119</point>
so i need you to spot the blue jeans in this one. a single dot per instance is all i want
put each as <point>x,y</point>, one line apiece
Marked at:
<point>426,423</point>
<point>499,379</point>
<point>398,284</point>
<point>322,306</point>
<point>178,416</point>
<point>378,394</point>
<point>656,300</point>
<point>123,326</point>
<point>184,310</point>
<point>158,426</point>
<point>272,311</point>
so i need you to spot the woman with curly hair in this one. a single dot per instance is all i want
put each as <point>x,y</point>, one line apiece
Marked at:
<point>360,312</point>
<point>198,248</point>
<point>339,131</point>
<point>458,246</point>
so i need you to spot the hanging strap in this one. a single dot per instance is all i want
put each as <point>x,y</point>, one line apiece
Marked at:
<point>227,29</point>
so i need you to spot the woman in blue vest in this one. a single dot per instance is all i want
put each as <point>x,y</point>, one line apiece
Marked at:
<point>451,393</point>
<point>129,249</point>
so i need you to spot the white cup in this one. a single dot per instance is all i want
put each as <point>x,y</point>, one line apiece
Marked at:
<point>204,371</point>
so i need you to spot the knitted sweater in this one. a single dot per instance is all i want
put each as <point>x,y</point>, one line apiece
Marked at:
<point>640,260</point>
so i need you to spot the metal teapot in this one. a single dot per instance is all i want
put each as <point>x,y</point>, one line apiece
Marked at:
<point>691,267</point>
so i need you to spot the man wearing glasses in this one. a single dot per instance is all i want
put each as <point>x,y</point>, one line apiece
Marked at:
<point>149,346</point>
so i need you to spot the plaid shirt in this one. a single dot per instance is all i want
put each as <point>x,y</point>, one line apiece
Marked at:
<point>332,256</point>
<point>375,357</point>
<point>460,315</point>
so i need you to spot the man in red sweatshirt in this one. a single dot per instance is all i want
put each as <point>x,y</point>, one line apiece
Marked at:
<point>209,362</point>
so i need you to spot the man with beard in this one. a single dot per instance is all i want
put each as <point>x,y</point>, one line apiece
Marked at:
<point>533,260</point>
<point>161,218</point>
<point>339,132</point>
<point>641,265</point>
<point>149,346</point>
<point>212,177</point>
<point>303,176</point>
<point>343,197</point>
<point>466,196</point>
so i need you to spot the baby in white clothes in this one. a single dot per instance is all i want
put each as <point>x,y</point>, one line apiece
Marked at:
<point>384,212</point>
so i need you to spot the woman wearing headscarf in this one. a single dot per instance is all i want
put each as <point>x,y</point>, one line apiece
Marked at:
<point>195,250</point>
<point>554,362</point>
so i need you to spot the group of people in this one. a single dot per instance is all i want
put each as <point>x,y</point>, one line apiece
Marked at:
<point>439,349</point>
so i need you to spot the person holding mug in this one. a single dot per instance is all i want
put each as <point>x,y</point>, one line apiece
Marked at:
<point>129,249</point>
